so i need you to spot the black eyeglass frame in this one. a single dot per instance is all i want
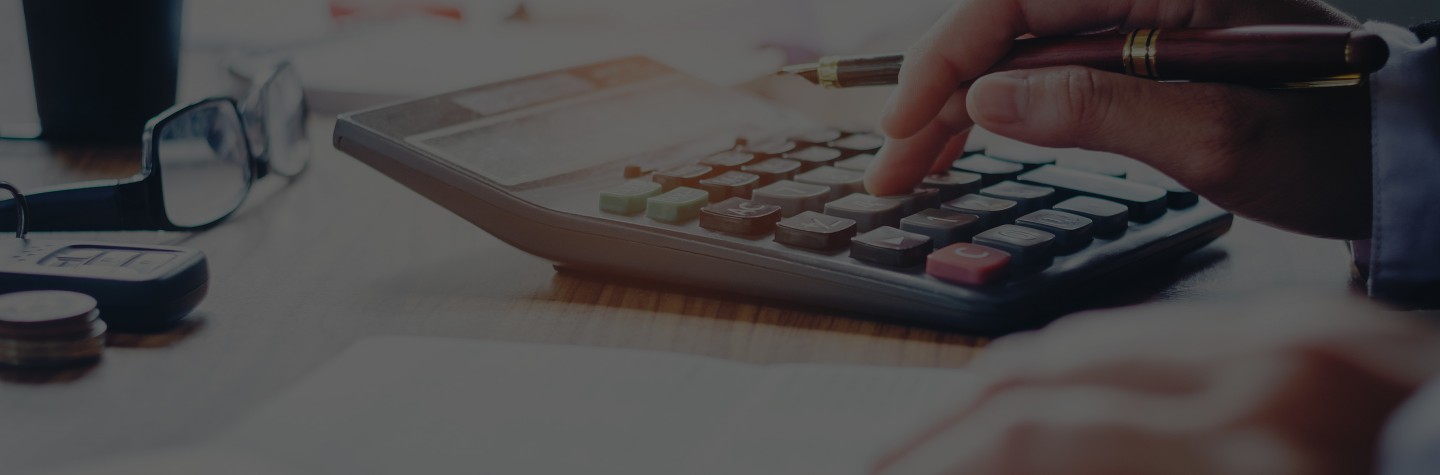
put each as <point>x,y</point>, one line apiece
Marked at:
<point>137,203</point>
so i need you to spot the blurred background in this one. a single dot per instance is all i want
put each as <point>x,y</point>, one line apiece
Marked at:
<point>355,53</point>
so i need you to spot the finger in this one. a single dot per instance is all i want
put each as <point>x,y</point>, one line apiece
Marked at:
<point>952,151</point>
<point>975,34</point>
<point>1163,124</point>
<point>902,163</point>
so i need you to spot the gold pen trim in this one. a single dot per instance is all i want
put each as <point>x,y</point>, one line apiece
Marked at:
<point>1138,54</point>
<point>828,72</point>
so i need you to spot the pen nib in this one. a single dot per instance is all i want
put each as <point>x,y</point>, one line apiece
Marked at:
<point>807,71</point>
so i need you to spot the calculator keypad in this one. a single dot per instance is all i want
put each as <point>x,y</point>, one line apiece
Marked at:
<point>997,215</point>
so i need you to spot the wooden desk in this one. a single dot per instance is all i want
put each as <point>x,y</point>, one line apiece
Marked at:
<point>308,267</point>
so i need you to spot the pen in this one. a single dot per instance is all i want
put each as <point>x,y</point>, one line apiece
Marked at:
<point>1279,56</point>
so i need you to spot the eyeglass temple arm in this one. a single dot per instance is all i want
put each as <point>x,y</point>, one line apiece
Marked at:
<point>89,206</point>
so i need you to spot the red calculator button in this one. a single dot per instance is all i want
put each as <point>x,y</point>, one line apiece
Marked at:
<point>969,264</point>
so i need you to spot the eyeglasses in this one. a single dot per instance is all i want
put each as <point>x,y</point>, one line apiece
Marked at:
<point>200,160</point>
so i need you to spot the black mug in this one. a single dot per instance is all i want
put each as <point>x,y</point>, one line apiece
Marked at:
<point>102,68</point>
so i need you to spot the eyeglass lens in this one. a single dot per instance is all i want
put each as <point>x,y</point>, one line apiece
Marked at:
<point>279,116</point>
<point>204,163</point>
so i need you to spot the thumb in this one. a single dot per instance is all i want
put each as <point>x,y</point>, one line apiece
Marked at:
<point>1159,123</point>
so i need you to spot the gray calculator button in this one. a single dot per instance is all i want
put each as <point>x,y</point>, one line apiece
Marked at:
<point>730,184</point>
<point>1026,155</point>
<point>793,198</point>
<point>815,231</point>
<point>841,182</point>
<point>920,199</point>
<point>149,261</point>
<point>943,227</point>
<point>891,247</point>
<point>869,212</point>
<point>993,171</point>
<point>952,184</point>
<point>864,143</point>
<point>992,211</point>
<point>1110,218</point>
<point>818,136</point>
<point>1145,202</point>
<point>768,147</point>
<point>1030,197</point>
<point>740,216</point>
<point>1029,248</point>
<point>114,258</point>
<point>1071,231</point>
<point>773,170</point>
<point>1176,195</point>
<point>811,158</point>
<point>729,160</point>
<point>688,175</point>
<point>858,163</point>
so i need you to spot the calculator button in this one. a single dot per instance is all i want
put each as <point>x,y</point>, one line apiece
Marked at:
<point>992,211</point>
<point>811,158</point>
<point>869,212</point>
<point>952,184</point>
<point>1028,248</point>
<point>920,199</point>
<point>991,171</point>
<point>818,136</point>
<point>689,175</point>
<point>1176,195</point>
<point>891,247</point>
<point>943,227</point>
<point>773,170</point>
<point>1109,217</point>
<point>792,198</point>
<point>628,198</point>
<point>730,184</point>
<point>1026,155</point>
<point>1071,231</point>
<point>729,160</point>
<point>864,143</point>
<point>676,206</point>
<point>1145,202</point>
<point>768,148</point>
<point>113,258</point>
<point>841,182</point>
<point>78,254</point>
<point>149,261</point>
<point>740,216</point>
<point>1096,165</point>
<point>858,163</point>
<point>815,231</point>
<point>1030,197</point>
<point>968,264</point>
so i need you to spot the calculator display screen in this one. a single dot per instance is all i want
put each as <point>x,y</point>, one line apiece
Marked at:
<point>545,126</point>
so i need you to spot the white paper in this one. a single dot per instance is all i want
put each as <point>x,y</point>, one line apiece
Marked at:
<point>448,406</point>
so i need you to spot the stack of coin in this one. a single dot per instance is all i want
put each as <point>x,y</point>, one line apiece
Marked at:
<point>50,328</point>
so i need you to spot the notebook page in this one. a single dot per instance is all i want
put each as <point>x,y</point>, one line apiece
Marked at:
<point>438,406</point>
<point>832,420</point>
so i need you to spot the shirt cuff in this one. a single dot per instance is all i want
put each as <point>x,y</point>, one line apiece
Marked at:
<point>1403,258</point>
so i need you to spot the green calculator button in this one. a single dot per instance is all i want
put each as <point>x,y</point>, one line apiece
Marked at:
<point>628,198</point>
<point>676,206</point>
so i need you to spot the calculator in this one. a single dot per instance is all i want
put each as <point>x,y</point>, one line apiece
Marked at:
<point>629,167</point>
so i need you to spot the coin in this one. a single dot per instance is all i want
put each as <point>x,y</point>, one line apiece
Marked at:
<point>45,307</point>
<point>15,352</point>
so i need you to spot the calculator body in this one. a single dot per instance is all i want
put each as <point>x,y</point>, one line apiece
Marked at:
<point>526,160</point>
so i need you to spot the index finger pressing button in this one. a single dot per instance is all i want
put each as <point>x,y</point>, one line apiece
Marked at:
<point>969,264</point>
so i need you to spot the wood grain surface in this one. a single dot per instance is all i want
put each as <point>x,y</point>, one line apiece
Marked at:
<point>309,266</point>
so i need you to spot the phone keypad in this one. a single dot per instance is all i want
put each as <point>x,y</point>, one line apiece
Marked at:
<point>994,217</point>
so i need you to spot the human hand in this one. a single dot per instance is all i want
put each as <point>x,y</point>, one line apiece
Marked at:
<point>1287,387</point>
<point>1296,159</point>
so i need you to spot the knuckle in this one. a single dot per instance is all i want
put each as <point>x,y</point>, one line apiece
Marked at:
<point>1084,100</point>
